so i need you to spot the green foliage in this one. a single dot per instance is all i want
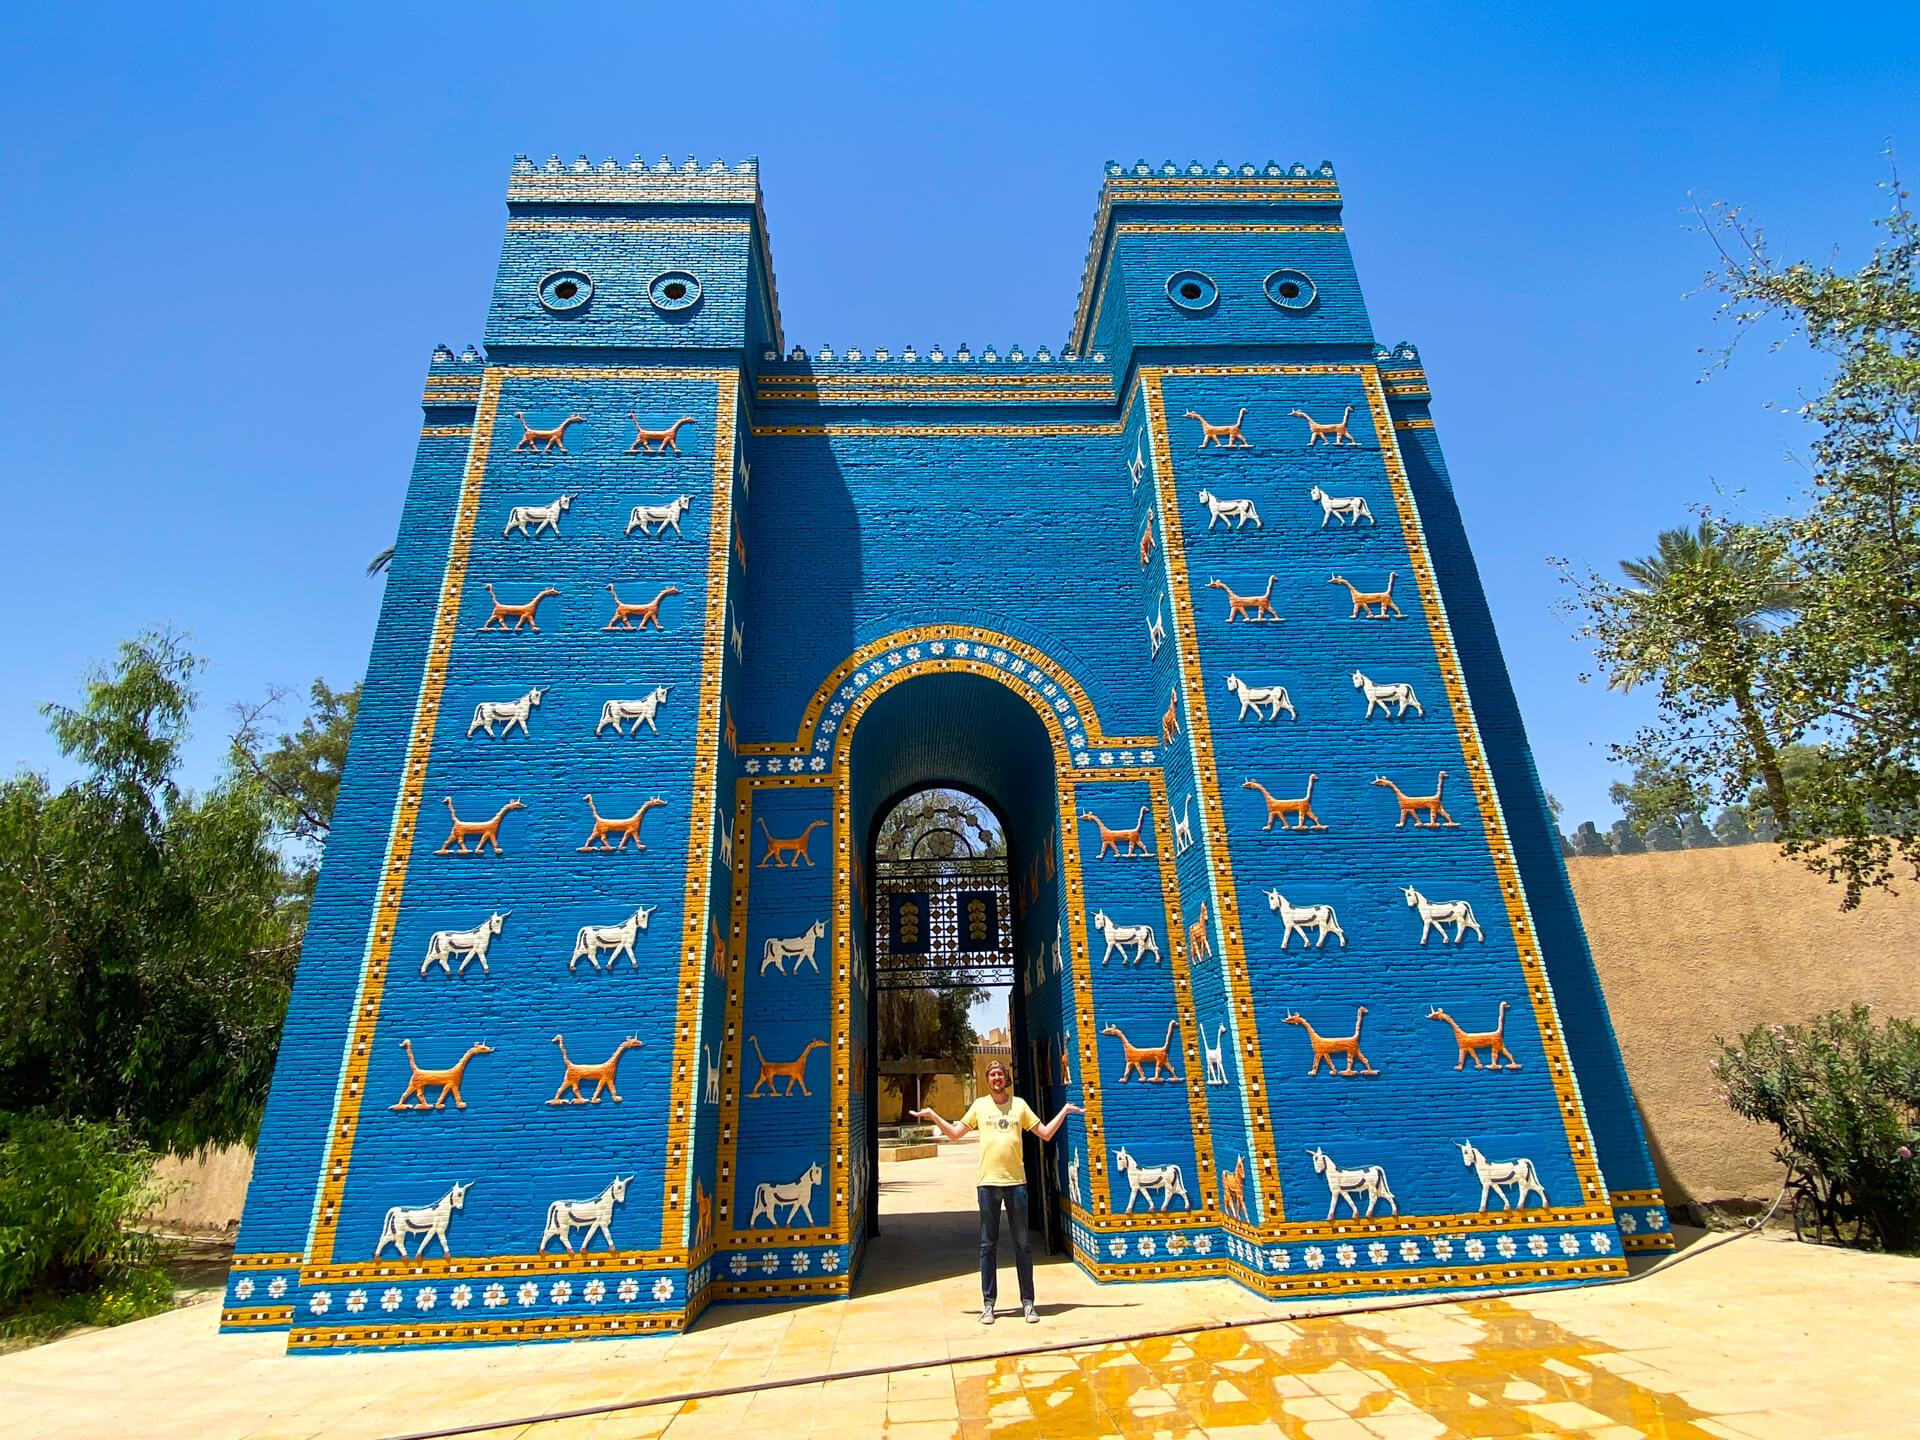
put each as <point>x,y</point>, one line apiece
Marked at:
<point>937,825</point>
<point>70,1194</point>
<point>1805,629</point>
<point>1660,793</point>
<point>1844,1096</point>
<point>298,775</point>
<point>929,1025</point>
<point>145,951</point>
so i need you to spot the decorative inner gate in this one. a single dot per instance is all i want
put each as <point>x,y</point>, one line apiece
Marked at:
<point>942,923</point>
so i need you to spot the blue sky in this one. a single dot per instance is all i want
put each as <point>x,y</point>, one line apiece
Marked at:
<point>230,237</point>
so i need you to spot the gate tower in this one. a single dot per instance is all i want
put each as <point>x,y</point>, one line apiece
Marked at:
<point>578,1042</point>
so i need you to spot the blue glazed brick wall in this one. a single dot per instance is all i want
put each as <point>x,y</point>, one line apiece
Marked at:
<point>992,572</point>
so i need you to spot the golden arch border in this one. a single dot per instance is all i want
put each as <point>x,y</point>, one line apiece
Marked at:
<point>890,649</point>
<point>888,661</point>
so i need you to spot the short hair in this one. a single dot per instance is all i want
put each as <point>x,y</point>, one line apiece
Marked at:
<point>1001,1067</point>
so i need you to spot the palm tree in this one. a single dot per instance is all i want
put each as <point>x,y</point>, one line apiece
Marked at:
<point>379,564</point>
<point>1724,594</point>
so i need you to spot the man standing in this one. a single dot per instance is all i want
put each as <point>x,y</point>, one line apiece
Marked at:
<point>1001,1117</point>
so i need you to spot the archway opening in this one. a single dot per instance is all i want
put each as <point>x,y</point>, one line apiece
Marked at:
<point>953,791</point>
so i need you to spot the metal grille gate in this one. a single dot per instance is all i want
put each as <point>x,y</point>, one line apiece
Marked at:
<point>941,923</point>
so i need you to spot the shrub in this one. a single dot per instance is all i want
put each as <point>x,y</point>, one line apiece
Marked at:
<point>1845,1098</point>
<point>70,1192</point>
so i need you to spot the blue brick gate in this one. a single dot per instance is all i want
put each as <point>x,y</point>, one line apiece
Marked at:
<point>579,1042</point>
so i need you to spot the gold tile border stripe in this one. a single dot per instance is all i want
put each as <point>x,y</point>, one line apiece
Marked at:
<point>1625,1199</point>
<point>1089,378</point>
<point>1415,422</point>
<point>265,1260</point>
<point>583,225</point>
<point>489,1267</point>
<point>681,1149</point>
<point>506,1329</point>
<point>781,395</point>
<point>1036,428</point>
<point>445,431</point>
<point>265,1317</point>
<point>1223,227</point>
<point>350,1086</point>
<point>1213,833</point>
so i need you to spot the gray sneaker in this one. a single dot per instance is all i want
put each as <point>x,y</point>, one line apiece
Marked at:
<point>986,1314</point>
<point>1033,1315</point>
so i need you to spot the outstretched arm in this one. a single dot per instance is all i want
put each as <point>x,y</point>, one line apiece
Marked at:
<point>947,1127</point>
<point>1046,1131</point>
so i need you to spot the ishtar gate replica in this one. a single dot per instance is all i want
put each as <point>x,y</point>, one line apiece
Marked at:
<point>582,1040</point>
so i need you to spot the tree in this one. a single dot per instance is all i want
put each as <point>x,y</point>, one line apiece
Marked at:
<point>299,773</point>
<point>1803,628</point>
<point>145,955</point>
<point>1659,793</point>
<point>1700,619</point>
<point>937,825</point>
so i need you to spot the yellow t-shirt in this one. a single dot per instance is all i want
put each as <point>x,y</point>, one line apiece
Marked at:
<point>1000,1159</point>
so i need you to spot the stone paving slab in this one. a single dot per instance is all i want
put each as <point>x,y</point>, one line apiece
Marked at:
<point>1751,1340</point>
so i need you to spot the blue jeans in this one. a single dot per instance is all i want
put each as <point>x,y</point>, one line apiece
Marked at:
<point>1014,1197</point>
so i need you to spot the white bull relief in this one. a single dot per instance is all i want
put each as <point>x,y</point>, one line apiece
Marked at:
<point>1370,1181</point>
<point>1379,696</point>
<point>429,1222</point>
<point>658,517</point>
<point>644,709</point>
<point>616,940</point>
<point>797,1197</point>
<point>1438,914</point>
<point>566,1216</point>
<point>1145,1179</point>
<point>469,945</point>
<point>541,517</point>
<point>1296,919</point>
<point>777,951</point>
<point>1120,937</point>
<point>506,713</point>
<point>1495,1176</point>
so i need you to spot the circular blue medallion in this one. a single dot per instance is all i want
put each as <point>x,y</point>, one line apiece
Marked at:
<point>566,290</point>
<point>1290,289</point>
<point>1192,290</point>
<point>673,290</point>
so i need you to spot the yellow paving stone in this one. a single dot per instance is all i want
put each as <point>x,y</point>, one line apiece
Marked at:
<point>1341,1429</point>
<point>1313,1407</point>
<point>1414,1426</point>
<point>1762,1425</point>
<point>932,1407</point>
<point>1568,1414</point>
<point>1522,1390</point>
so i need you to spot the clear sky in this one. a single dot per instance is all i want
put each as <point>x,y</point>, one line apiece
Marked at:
<point>231,235</point>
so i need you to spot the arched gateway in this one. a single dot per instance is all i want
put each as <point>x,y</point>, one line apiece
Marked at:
<point>580,1041</point>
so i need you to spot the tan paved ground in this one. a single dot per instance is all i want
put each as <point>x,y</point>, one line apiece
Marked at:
<point>1761,1339</point>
